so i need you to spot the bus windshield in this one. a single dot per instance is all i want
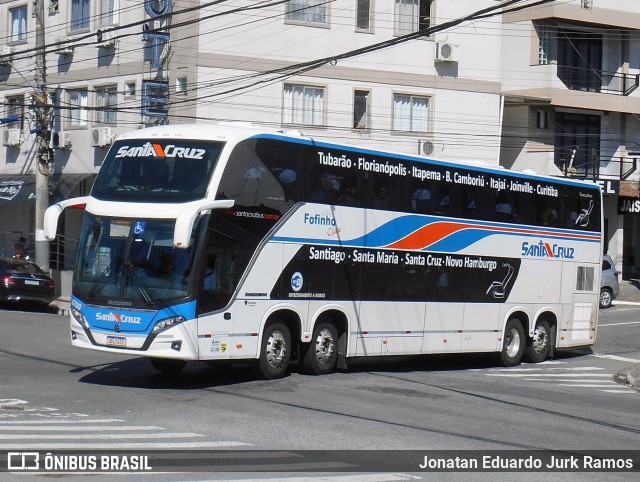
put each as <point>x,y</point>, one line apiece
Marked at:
<point>163,171</point>
<point>129,262</point>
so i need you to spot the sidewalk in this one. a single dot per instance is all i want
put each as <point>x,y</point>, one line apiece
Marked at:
<point>629,292</point>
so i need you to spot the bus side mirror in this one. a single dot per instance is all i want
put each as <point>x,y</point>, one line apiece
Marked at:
<point>186,218</point>
<point>52,214</point>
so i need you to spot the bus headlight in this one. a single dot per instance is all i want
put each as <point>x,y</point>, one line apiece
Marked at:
<point>167,323</point>
<point>77,314</point>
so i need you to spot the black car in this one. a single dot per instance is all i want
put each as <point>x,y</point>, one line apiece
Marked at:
<point>22,280</point>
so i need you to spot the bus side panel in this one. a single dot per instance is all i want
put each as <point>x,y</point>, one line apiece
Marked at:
<point>443,328</point>
<point>214,341</point>
<point>389,328</point>
<point>544,276</point>
<point>482,328</point>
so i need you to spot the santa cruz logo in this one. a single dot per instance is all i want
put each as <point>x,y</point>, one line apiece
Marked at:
<point>156,150</point>
<point>296,281</point>
<point>111,316</point>
<point>546,250</point>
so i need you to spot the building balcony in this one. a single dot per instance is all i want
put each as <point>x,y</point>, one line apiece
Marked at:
<point>590,80</point>
<point>594,166</point>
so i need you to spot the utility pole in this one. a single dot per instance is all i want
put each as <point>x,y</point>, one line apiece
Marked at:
<point>43,136</point>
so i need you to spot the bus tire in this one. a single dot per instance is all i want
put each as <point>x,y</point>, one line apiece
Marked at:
<point>540,345</point>
<point>512,343</point>
<point>320,356</point>
<point>275,351</point>
<point>167,365</point>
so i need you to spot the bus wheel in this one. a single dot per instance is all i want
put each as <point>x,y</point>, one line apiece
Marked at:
<point>274,351</point>
<point>512,344</point>
<point>321,354</point>
<point>167,365</point>
<point>538,350</point>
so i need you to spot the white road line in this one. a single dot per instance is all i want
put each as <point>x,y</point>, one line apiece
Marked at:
<point>621,391</point>
<point>619,324</point>
<point>124,446</point>
<point>616,357</point>
<point>547,375</point>
<point>61,422</point>
<point>31,428</point>
<point>586,380</point>
<point>583,385</point>
<point>575,369</point>
<point>104,436</point>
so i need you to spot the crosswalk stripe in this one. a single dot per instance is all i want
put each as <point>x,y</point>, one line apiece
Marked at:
<point>129,446</point>
<point>59,422</point>
<point>98,436</point>
<point>45,428</point>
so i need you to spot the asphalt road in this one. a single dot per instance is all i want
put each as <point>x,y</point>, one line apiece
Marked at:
<point>55,397</point>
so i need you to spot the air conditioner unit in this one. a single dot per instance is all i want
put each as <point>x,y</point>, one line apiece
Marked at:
<point>5,54</point>
<point>11,137</point>
<point>446,52</point>
<point>64,48</point>
<point>106,38</point>
<point>61,140</point>
<point>101,136</point>
<point>425,147</point>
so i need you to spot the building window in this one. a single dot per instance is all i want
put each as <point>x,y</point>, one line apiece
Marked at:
<point>181,85</point>
<point>363,15</point>
<point>361,116</point>
<point>544,44</point>
<point>108,11</point>
<point>411,16</point>
<point>542,119</point>
<point>410,113</point>
<point>106,104</point>
<point>18,17</point>
<point>77,107</point>
<point>307,11</point>
<point>14,107</point>
<point>130,89</point>
<point>303,104</point>
<point>80,14</point>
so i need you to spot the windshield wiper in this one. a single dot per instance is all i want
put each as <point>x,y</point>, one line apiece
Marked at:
<point>100,283</point>
<point>132,269</point>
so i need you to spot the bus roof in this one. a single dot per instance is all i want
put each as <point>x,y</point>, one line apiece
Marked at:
<point>234,132</point>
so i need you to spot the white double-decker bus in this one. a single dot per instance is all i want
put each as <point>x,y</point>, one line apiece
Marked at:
<point>229,243</point>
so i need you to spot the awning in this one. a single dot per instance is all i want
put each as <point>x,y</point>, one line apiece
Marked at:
<point>20,189</point>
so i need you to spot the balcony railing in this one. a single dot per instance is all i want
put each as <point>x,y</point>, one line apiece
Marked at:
<point>590,80</point>
<point>592,167</point>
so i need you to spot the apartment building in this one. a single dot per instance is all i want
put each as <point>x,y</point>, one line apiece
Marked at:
<point>550,88</point>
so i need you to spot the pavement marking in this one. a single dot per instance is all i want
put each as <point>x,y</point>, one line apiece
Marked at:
<point>619,324</point>
<point>574,369</point>
<point>548,375</point>
<point>128,446</point>
<point>616,357</point>
<point>104,436</point>
<point>44,428</point>
<point>621,391</point>
<point>40,422</point>
<point>584,385</point>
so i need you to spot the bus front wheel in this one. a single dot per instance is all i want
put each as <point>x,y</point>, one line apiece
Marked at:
<point>167,365</point>
<point>275,351</point>
<point>321,354</point>
<point>512,344</point>
<point>538,350</point>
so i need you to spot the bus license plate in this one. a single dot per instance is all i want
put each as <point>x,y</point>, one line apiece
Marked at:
<point>116,341</point>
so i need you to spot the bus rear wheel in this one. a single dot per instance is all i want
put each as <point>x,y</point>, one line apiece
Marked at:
<point>538,350</point>
<point>275,351</point>
<point>512,344</point>
<point>167,365</point>
<point>321,354</point>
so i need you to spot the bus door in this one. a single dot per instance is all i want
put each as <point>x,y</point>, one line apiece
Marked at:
<point>580,292</point>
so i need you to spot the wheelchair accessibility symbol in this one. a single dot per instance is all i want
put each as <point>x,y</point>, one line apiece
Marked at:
<point>139,227</point>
